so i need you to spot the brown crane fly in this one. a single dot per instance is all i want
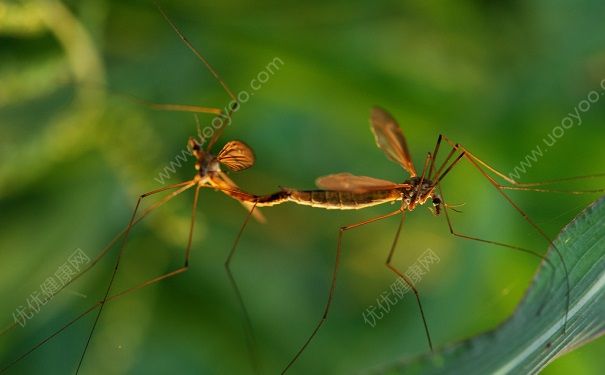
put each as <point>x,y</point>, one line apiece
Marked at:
<point>234,155</point>
<point>344,191</point>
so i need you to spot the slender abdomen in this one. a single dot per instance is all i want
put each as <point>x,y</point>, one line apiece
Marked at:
<point>342,200</point>
<point>328,199</point>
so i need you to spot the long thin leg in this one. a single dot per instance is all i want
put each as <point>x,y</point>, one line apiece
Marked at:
<point>558,180</point>
<point>234,102</point>
<point>250,340</point>
<point>407,280</point>
<point>512,247</point>
<point>477,164</point>
<point>429,159</point>
<point>574,192</point>
<point>518,185</point>
<point>107,248</point>
<point>448,170</point>
<point>324,316</point>
<point>223,117</point>
<point>91,309</point>
<point>196,52</point>
<point>173,107</point>
<point>121,251</point>
<point>99,257</point>
<point>435,152</point>
<point>447,159</point>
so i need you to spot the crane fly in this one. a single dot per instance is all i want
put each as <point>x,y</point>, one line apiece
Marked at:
<point>234,155</point>
<point>344,191</point>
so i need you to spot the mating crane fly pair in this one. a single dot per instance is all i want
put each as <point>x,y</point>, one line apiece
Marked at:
<point>341,191</point>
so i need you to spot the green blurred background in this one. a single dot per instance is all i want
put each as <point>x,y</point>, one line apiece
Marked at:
<point>496,76</point>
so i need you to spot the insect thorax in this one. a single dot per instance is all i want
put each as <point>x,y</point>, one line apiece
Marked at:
<point>418,191</point>
<point>206,164</point>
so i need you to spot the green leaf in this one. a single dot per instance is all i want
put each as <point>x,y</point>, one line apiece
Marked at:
<point>528,341</point>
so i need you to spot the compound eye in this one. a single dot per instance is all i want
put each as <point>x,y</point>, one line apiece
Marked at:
<point>436,201</point>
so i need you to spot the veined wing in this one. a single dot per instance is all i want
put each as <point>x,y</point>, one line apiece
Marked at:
<point>236,155</point>
<point>352,183</point>
<point>390,139</point>
<point>222,181</point>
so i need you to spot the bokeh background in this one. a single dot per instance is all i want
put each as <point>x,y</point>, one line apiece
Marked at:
<point>75,152</point>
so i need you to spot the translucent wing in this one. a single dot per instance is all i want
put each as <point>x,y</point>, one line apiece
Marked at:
<point>236,155</point>
<point>390,139</point>
<point>223,182</point>
<point>352,183</point>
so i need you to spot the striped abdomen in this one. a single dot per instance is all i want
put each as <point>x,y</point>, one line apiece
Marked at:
<point>328,199</point>
<point>342,200</point>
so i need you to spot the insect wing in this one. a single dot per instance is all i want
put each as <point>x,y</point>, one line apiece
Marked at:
<point>236,155</point>
<point>390,139</point>
<point>352,183</point>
